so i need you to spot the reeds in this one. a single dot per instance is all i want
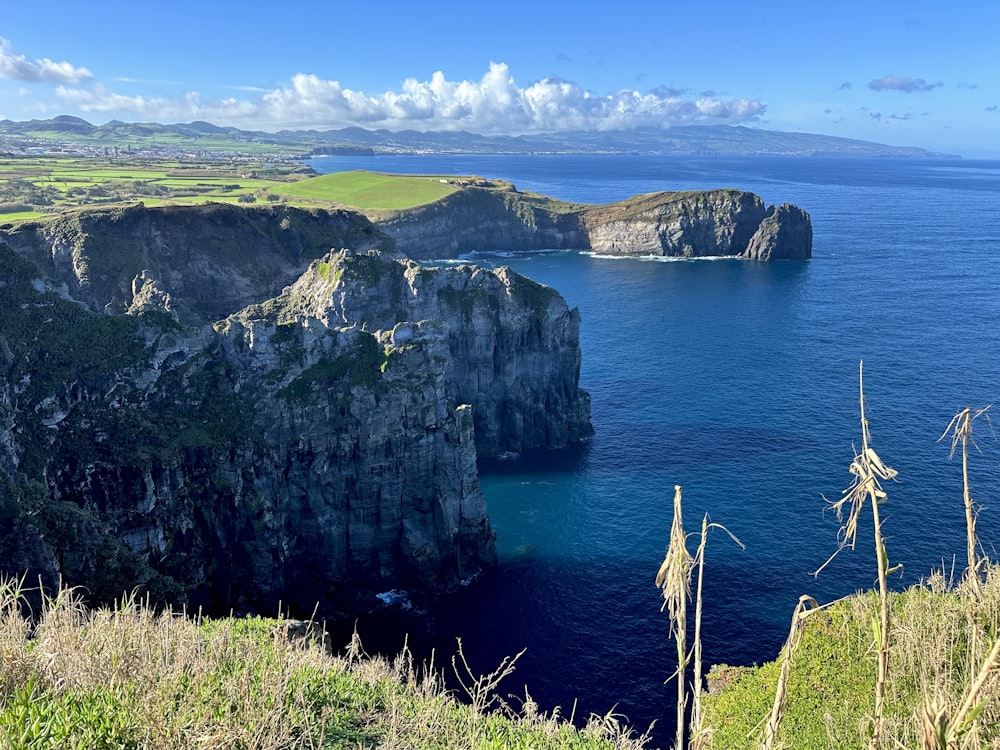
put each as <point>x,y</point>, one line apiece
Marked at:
<point>960,428</point>
<point>869,471</point>
<point>674,581</point>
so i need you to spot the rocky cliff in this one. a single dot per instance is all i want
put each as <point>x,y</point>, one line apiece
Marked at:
<point>317,445</point>
<point>687,224</point>
<point>200,263</point>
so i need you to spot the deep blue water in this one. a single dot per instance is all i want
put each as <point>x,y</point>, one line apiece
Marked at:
<point>738,381</point>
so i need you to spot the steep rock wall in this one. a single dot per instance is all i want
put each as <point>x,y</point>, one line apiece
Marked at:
<point>317,446</point>
<point>201,263</point>
<point>513,345</point>
<point>686,224</point>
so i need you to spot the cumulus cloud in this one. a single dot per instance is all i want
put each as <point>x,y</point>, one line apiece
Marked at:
<point>43,70</point>
<point>901,83</point>
<point>493,104</point>
<point>845,86</point>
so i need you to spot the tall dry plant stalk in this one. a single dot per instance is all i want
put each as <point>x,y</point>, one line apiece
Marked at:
<point>799,616</point>
<point>674,580</point>
<point>869,470</point>
<point>960,428</point>
<point>697,732</point>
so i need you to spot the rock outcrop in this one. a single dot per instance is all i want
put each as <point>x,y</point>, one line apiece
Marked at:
<point>688,224</point>
<point>208,260</point>
<point>318,445</point>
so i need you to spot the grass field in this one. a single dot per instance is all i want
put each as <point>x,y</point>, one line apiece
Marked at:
<point>369,190</point>
<point>33,187</point>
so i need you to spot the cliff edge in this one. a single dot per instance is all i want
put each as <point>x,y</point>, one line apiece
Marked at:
<point>318,445</point>
<point>692,224</point>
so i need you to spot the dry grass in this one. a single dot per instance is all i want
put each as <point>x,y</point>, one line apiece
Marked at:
<point>129,678</point>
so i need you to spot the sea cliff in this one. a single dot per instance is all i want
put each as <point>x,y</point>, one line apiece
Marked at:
<point>314,444</point>
<point>690,224</point>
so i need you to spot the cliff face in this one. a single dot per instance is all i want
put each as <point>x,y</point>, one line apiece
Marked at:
<point>483,219</point>
<point>689,224</point>
<point>513,346</point>
<point>309,447</point>
<point>199,262</point>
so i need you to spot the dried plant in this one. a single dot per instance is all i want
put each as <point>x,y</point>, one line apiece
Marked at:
<point>960,428</point>
<point>698,732</point>
<point>941,731</point>
<point>869,471</point>
<point>674,581</point>
<point>806,606</point>
<point>481,689</point>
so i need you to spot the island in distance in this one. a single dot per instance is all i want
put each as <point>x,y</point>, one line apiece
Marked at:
<point>702,140</point>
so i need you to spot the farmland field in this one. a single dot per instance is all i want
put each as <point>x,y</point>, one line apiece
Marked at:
<point>370,190</point>
<point>32,187</point>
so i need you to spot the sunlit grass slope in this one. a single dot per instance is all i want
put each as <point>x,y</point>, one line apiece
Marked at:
<point>369,190</point>
<point>132,679</point>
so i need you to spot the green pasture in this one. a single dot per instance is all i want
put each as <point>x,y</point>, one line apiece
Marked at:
<point>369,190</point>
<point>32,187</point>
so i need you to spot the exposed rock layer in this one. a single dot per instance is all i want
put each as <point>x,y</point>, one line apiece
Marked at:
<point>307,447</point>
<point>688,224</point>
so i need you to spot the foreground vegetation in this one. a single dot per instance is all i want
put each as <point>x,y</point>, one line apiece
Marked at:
<point>918,669</point>
<point>128,678</point>
<point>829,701</point>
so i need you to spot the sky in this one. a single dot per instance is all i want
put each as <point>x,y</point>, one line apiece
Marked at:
<point>914,73</point>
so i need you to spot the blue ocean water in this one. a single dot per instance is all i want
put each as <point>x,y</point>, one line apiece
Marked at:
<point>738,381</point>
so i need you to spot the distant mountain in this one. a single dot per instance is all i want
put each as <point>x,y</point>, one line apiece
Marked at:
<point>714,140</point>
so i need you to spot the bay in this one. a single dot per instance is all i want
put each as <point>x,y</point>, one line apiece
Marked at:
<point>739,381</point>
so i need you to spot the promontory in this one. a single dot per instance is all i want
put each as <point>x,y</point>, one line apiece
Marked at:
<point>229,407</point>
<point>496,216</point>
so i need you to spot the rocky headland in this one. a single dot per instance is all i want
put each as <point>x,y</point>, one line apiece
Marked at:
<point>692,224</point>
<point>216,405</point>
<point>316,443</point>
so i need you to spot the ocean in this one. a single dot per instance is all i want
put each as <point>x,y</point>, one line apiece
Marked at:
<point>738,381</point>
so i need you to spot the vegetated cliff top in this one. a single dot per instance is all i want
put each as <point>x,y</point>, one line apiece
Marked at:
<point>131,677</point>
<point>496,216</point>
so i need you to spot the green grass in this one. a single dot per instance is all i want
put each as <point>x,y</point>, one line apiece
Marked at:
<point>129,678</point>
<point>830,696</point>
<point>369,190</point>
<point>49,185</point>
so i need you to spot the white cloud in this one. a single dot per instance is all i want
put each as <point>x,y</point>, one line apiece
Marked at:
<point>44,70</point>
<point>493,104</point>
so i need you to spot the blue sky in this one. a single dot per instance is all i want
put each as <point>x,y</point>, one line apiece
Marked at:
<point>904,73</point>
